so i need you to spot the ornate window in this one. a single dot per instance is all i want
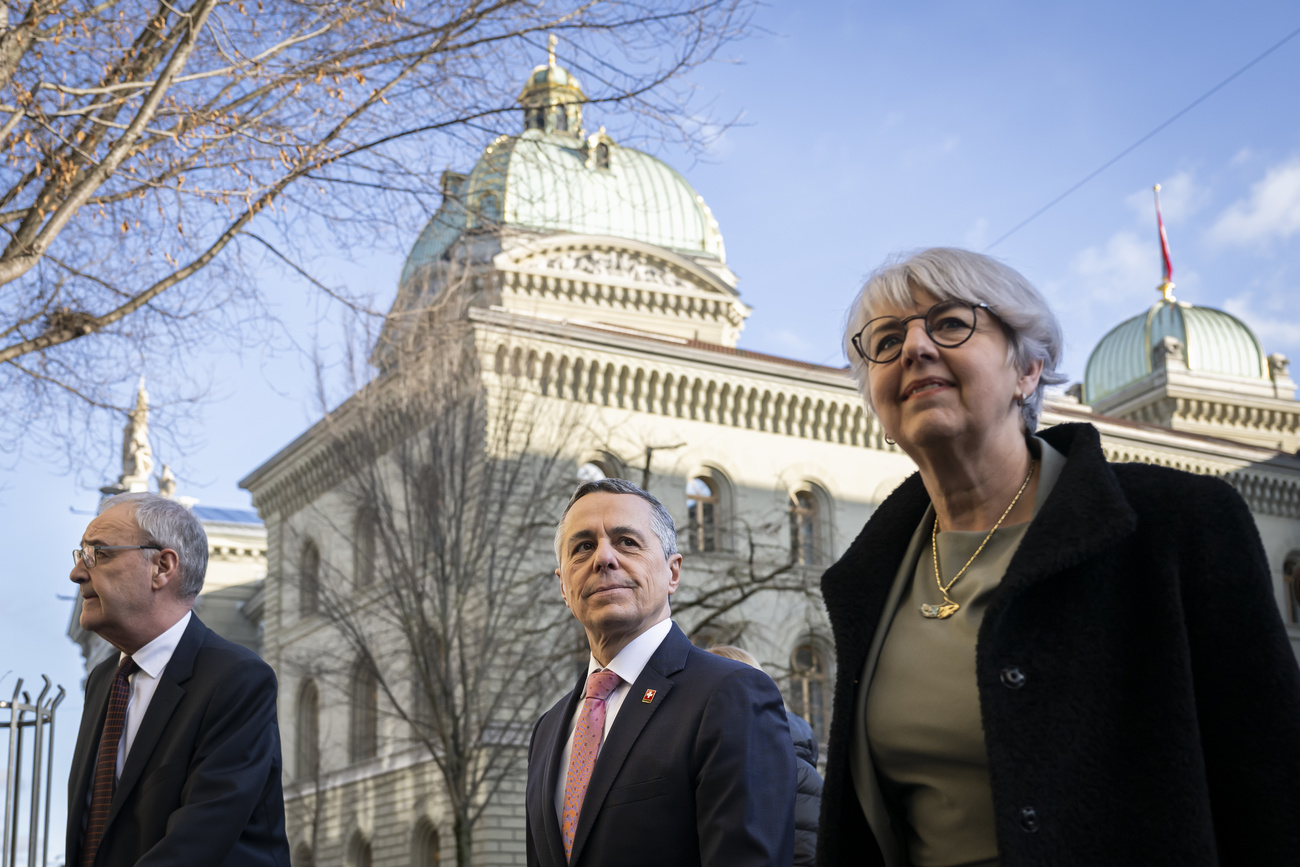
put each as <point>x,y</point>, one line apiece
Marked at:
<point>309,579</point>
<point>426,850</point>
<point>808,687</point>
<point>561,119</point>
<point>602,156</point>
<point>534,118</point>
<point>307,752</point>
<point>702,513</point>
<point>365,713</point>
<point>1291,579</point>
<point>805,526</point>
<point>363,549</point>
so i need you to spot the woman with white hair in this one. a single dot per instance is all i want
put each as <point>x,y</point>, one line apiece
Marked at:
<point>1042,658</point>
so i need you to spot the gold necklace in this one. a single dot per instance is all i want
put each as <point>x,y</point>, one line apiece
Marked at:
<point>948,608</point>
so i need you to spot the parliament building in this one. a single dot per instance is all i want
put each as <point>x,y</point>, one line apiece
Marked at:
<point>596,292</point>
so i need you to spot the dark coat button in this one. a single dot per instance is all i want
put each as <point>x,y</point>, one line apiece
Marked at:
<point>1029,819</point>
<point>1013,677</point>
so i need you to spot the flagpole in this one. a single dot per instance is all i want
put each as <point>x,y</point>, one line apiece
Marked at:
<point>1166,287</point>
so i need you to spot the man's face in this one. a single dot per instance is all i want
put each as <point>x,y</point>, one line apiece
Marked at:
<point>117,595</point>
<point>613,573</point>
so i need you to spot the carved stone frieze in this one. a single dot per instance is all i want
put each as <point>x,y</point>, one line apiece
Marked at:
<point>622,264</point>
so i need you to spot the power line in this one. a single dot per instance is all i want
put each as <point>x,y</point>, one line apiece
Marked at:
<point>1128,150</point>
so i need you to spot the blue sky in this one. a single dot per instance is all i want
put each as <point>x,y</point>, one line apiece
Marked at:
<point>865,129</point>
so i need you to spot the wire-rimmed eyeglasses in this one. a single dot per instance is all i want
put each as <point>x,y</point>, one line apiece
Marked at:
<point>86,553</point>
<point>948,323</point>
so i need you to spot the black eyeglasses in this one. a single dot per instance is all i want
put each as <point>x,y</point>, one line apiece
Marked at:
<point>948,323</point>
<point>86,553</point>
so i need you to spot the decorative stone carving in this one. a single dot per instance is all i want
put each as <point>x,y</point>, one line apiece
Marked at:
<point>1169,349</point>
<point>611,263</point>
<point>1279,366</point>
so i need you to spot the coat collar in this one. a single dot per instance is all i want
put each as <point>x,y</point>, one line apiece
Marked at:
<point>1085,513</point>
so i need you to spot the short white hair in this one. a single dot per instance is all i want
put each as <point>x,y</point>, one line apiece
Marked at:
<point>169,524</point>
<point>951,274</point>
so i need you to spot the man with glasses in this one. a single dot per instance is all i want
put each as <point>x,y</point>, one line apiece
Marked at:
<point>178,756</point>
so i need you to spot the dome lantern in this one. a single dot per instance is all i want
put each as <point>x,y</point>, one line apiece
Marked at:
<point>552,98</point>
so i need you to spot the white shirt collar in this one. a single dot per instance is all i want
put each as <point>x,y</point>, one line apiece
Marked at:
<point>630,661</point>
<point>154,656</point>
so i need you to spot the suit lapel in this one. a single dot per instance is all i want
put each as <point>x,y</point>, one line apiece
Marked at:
<point>165,699</point>
<point>668,659</point>
<point>554,741</point>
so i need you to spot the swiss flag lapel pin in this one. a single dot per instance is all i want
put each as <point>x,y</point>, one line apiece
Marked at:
<point>649,696</point>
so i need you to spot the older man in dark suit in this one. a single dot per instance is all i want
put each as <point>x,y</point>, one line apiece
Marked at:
<point>662,753</point>
<point>178,757</point>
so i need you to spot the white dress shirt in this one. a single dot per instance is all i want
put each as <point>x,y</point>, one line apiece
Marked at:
<point>628,664</point>
<point>151,659</point>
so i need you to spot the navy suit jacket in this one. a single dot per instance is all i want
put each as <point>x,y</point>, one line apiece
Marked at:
<point>699,773</point>
<point>201,783</point>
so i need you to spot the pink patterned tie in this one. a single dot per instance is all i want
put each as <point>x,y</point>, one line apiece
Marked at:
<point>586,744</point>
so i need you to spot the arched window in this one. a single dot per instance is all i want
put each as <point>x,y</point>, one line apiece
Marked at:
<point>805,524</point>
<point>534,118</point>
<point>1291,578</point>
<point>702,507</point>
<point>591,472</point>
<point>425,848</point>
<point>365,713</point>
<point>808,687</point>
<point>307,752</point>
<point>602,156</point>
<point>561,119</point>
<point>363,549</point>
<point>359,852</point>
<point>309,579</point>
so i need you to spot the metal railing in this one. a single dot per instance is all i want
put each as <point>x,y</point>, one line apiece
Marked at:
<point>31,743</point>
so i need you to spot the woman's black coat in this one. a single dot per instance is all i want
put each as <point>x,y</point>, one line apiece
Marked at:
<point>1139,696</point>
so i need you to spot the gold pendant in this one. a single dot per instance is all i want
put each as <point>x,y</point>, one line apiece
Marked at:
<point>939,612</point>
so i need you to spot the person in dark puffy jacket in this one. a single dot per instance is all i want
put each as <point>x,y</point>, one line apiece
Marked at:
<point>808,790</point>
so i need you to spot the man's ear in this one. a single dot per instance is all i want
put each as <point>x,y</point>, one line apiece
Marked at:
<point>562,594</point>
<point>675,570</point>
<point>167,571</point>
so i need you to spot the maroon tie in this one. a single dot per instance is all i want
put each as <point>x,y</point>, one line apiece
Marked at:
<point>586,744</point>
<point>106,765</point>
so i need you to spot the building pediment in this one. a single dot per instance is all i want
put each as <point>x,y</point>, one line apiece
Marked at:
<point>621,282</point>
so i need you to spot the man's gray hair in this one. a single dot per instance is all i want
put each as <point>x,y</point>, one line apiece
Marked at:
<point>169,524</point>
<point>1032,330</point>
<point>661,523</point>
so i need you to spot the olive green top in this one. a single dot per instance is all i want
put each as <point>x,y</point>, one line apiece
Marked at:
<point>922,711</point>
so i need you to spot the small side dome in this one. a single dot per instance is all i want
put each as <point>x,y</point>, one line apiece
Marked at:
<point>1213,342</point>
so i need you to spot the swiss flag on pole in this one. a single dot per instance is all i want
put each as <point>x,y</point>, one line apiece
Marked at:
<point>1164,243</point>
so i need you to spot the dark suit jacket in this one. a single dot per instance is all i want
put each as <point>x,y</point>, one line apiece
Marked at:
<point>201,784</point>
<point>702,774</point>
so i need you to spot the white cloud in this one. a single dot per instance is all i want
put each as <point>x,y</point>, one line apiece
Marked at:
<point>1180,197</point>
<point>1271,212</point>
<point>1118,270</point>
<point>1268,321</point>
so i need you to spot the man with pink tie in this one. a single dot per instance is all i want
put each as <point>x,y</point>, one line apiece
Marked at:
<point>662,753</point>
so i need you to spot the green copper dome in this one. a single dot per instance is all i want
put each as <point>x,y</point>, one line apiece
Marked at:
<point>558,182</point>
<point>1213,342</point>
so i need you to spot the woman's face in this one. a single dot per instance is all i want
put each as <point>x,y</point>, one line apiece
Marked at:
<point>932,396</point>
